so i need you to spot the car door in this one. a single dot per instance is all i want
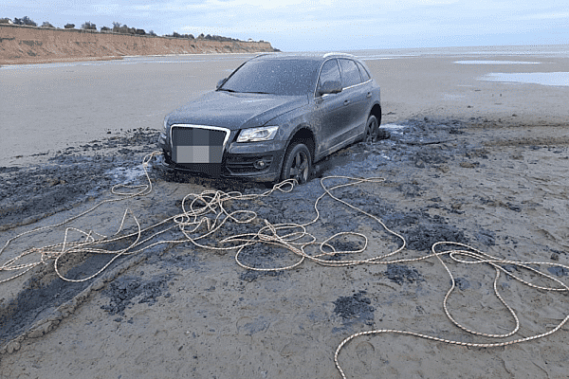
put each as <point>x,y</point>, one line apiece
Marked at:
<point>330,111</point>
<point>357,100</point>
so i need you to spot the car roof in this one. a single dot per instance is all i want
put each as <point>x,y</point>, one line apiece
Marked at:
<point>303,56</point>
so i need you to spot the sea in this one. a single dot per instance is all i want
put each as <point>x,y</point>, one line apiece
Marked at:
<point>479,55</point>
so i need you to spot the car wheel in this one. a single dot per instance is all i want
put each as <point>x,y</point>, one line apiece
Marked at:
<point>297,163</point>
<point>372,129</point>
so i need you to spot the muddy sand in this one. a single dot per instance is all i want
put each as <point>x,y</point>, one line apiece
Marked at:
<point>468,161</point>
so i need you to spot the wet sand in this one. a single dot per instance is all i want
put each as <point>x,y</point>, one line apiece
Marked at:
<point>470,161</point>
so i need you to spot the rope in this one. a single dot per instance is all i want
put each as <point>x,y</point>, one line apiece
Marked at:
<point>472,256</point>
<point>206,213</point>
<point>47,252</point>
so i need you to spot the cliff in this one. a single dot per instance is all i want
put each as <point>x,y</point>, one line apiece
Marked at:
<point>24,45</point>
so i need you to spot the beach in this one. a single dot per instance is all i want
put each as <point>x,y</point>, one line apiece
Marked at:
<point>477,157</point>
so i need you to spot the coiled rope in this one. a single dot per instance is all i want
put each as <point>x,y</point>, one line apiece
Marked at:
<point>468,255</point>
<point>206,213</point>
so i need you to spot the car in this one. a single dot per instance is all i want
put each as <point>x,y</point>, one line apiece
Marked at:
<point>274,117</point>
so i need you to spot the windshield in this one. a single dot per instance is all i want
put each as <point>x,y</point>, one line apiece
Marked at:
<point>274,76</point>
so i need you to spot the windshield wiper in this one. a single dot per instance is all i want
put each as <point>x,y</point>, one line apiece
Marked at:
<point>260,93</point>
<point>226,90</point>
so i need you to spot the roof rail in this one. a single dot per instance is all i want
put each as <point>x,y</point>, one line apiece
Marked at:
<point>263,54</point>
<point>344,54</point>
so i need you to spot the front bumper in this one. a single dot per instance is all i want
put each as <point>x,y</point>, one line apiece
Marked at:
<point>255,161</point>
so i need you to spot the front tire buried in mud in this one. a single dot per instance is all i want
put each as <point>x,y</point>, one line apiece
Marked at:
<point>372,129</point>
<point>297,163</point>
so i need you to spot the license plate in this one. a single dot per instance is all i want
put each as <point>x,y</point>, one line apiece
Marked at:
<point>196,145</point>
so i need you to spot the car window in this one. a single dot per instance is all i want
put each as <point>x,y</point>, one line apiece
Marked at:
<point>363,72</point>
<point>330,71</point>
<point>274,76</point>
<point>350,73</point>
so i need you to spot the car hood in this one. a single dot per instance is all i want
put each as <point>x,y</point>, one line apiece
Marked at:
<point>234,110</point>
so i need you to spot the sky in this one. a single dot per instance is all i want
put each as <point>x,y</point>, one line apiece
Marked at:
<point>322,25</point>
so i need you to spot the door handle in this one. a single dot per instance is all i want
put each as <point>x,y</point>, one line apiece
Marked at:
<point>346,102</point>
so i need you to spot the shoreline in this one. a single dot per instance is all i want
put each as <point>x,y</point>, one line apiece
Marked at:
<point>520,51</point>
<point>115,58</point>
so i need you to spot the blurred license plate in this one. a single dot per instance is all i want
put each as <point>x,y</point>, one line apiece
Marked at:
<point>196,145</point>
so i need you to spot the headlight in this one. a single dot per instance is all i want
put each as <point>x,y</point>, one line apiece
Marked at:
<point>265,133</point>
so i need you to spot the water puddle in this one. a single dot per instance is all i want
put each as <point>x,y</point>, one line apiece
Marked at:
<point>126,175</point>
<point>495,62</point>
<point>543,78</point>
<point>393,126</point>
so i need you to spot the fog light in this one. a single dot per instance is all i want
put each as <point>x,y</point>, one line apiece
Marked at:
<point>259,165</point>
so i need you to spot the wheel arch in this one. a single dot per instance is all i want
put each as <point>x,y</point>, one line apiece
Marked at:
<point>376,111</point>
<point>304,134</point>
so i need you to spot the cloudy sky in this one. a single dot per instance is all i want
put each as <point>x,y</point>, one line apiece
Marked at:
<point>317,25</point>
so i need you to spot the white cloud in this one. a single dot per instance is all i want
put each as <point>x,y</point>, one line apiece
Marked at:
<point>263,4</point>
<point>290,23</point>
<point>106,8</point>
<point>543,16</point>
<point>311,24</point>
<point>437,2</point>
<point>142,7</point>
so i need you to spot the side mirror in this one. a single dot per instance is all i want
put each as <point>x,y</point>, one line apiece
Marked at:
<point>330,86</point>
<point>220,83</point>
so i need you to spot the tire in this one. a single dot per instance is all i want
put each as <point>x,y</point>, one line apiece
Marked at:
<point>297,163</point>
<point>372,130</point>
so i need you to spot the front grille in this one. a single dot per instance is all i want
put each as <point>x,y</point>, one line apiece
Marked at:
<point>197,145</point>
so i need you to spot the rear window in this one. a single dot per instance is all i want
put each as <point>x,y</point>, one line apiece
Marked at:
<point>363,71</point>
<point>274,76</point>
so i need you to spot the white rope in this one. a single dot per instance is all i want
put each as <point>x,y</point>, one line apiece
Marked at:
<point>476,257</point>
<point>206,213</point>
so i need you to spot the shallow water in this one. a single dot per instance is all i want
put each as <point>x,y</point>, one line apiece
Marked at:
<point>557,51</point>
<point>126,175</point>
<point>393,126</point>
<point>370,54</point>
<point>543,78</point>
<point>495,62</point>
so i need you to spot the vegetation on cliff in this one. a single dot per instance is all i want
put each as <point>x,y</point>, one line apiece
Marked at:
<point>118,28</point>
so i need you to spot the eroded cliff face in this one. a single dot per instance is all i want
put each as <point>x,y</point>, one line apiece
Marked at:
<point>21,44</point>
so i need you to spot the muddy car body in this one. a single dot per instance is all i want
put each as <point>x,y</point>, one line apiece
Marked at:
<point>273,117</point>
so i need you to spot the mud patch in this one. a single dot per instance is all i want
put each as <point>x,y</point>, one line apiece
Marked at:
<point>124,291</point>
<point>558,271</point>
<point>183,260</point>
<point>421,229</point>
<point>462,283</point>
<point>430,230</point>
<point>71,176</point>
<point>251,275</point>
<point>486,237</point>
<point>355,308</point>
<point>40,301</point>
<point>401,274</point>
